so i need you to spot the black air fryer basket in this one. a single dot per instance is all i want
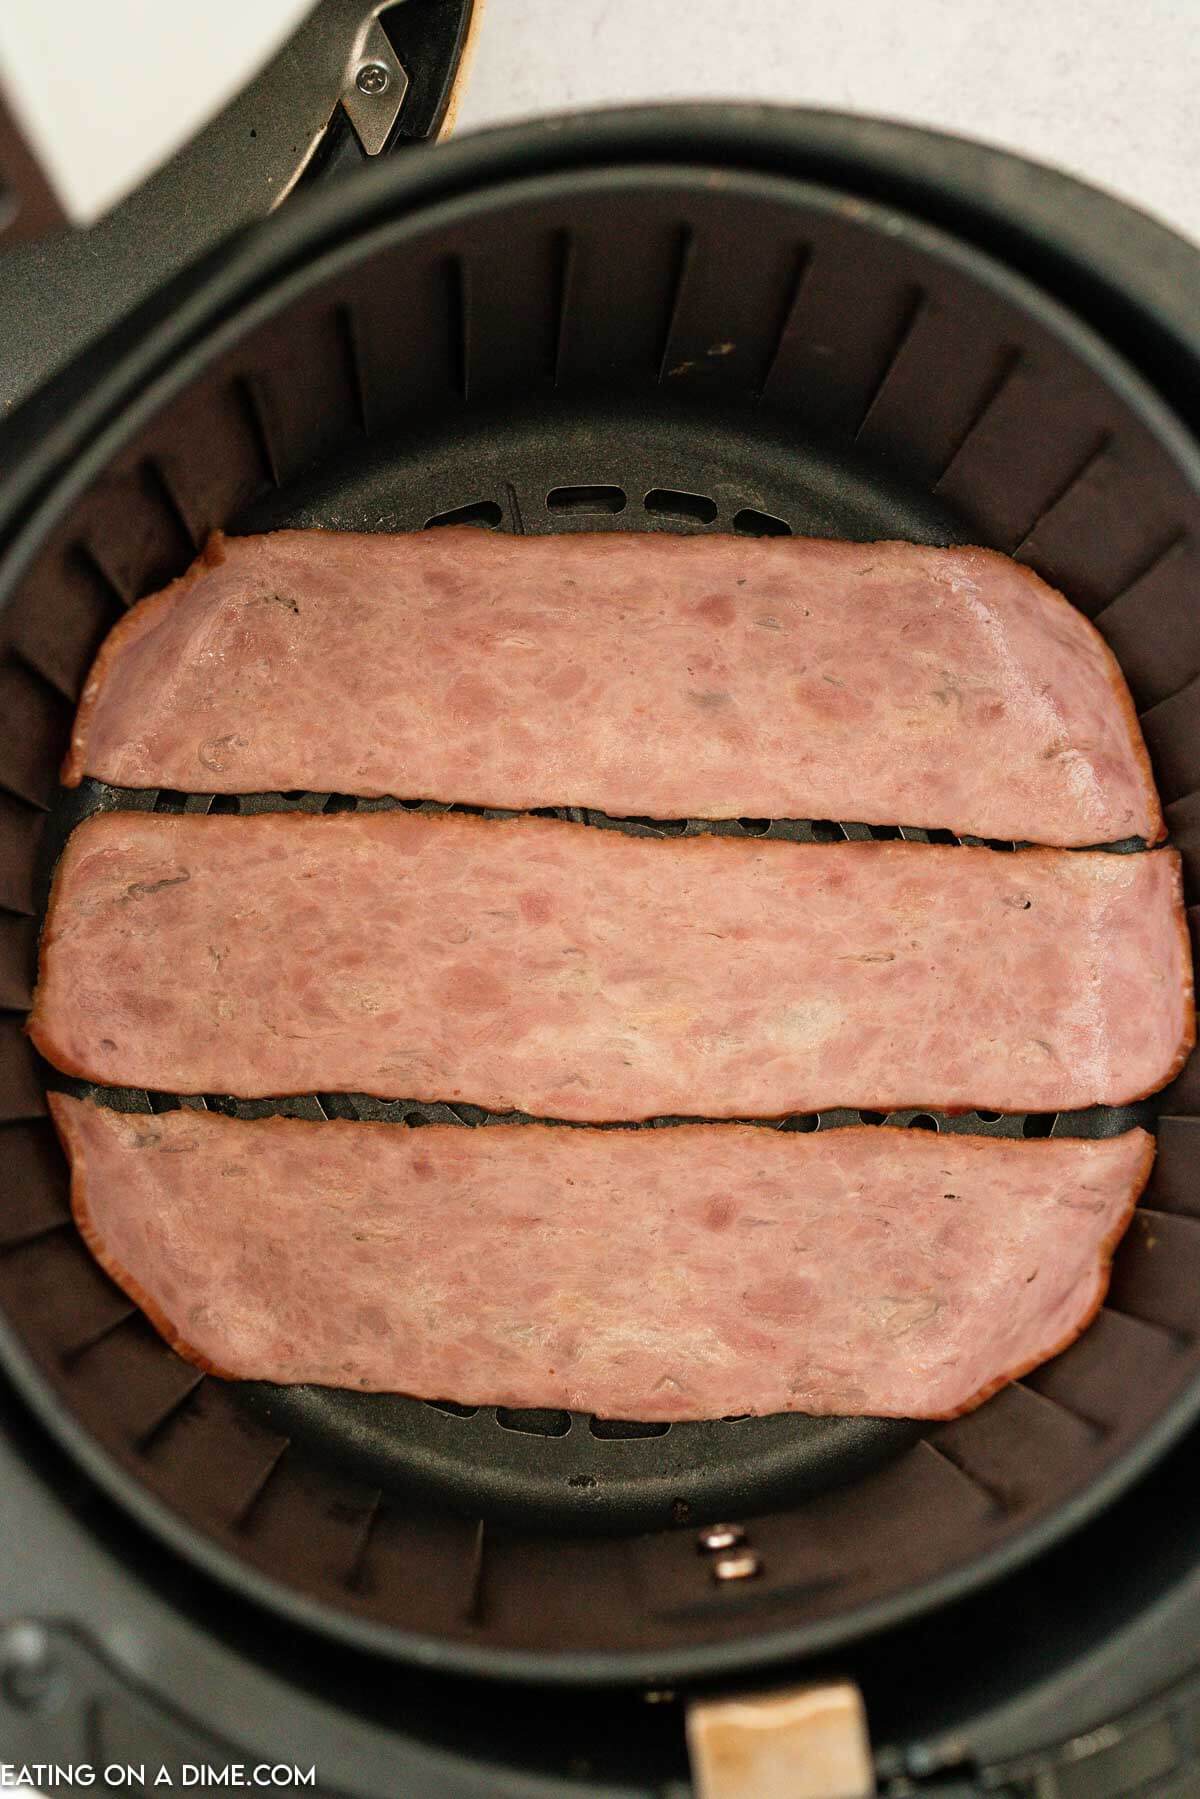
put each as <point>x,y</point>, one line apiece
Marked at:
<point>687,321</point>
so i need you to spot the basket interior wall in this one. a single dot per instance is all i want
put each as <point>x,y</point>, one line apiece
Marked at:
<point>684,354</point>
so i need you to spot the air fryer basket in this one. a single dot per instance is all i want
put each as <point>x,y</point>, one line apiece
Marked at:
<point>622,344</point>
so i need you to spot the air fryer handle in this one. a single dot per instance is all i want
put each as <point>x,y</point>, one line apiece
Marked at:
<point>402,73</point>
<point>402,82</point>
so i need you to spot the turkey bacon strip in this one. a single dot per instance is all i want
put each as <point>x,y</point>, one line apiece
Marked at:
<point>638,674</point>
<point>687,1272</point>
<point>564,971</point>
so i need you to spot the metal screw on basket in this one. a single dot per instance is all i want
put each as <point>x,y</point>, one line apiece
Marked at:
<point>739,1564</point>
<point>372,79</point>
<point>721,1536</point>
<point>374,88</point>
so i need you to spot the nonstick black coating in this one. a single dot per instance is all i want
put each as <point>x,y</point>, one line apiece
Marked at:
<point>554,340</point>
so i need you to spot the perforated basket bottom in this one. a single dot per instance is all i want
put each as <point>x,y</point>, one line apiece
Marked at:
<point>554,1469</point>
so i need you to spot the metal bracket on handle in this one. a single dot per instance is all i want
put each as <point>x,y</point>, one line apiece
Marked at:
<point>374,89</point>
<point>807,1743</point>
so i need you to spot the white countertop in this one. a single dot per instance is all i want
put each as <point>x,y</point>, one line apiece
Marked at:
<point>1107,89</point>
